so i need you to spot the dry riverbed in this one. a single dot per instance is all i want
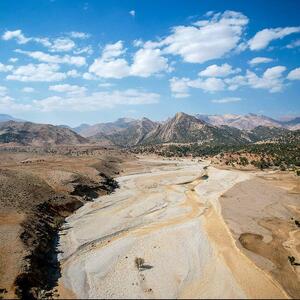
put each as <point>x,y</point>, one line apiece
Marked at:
<point>162,234</point>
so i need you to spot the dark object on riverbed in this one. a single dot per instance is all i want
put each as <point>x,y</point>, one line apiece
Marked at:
<point>297,223</point>
<point>204,177</point>
<point>293,262</point>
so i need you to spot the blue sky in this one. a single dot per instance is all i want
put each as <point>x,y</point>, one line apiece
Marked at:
<point>72,62</point>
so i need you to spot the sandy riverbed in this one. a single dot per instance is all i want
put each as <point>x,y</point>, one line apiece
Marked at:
<point>167,213</point>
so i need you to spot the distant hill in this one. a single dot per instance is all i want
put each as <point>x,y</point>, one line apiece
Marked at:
<point>104,128</point>
<point>243,122</point>
<point>183,128</point>
<point>26,133</point>
<point>80,128</point>
<point>5,118</point>
<point>293,124</point>
<point>125,132</point>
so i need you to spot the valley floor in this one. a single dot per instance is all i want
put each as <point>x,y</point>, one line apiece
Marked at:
<point>184,229</point>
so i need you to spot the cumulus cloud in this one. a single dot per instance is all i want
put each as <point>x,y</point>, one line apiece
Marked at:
<point>5,68</point>
<point>219,71</point>
<point>294,74</point>
<point>9,104</point>
<point>62,45</point>
<point>111,64</point>
<point>28,89</point>
<point>3,91</point>
<point>132,12</point>
<point>79,35</point>
<point>68,89</point>
<point>147,62</point>
<point>294,44</point>
<point>260,60</point>
<point>37,72</point>
<point>105,84</point>
<point>264,37</point>
<point>271,79</point>
<point>235,82</point>
<point>17,35</point>
<point>96,101</point>
<point>226,100</point>
<point>180,86</point>
<point>206,39</point>
<point>13,59</point>
<point>54,59</point>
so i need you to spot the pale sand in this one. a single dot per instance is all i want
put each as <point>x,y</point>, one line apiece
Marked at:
<point>169,216</point>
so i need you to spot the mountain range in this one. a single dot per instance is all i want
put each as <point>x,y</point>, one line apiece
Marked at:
<point>27,133</point>
<point>182,128</point>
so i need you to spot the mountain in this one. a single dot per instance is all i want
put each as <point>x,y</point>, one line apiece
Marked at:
<point>264,133</point>
<point>5,118</point>
<point>104,128</point>
<point>26,133</point>
<point>293,124</point>
<point>125,132</point>
<point>183,128</point>
<point>81,127</point>
<point>243,122</point>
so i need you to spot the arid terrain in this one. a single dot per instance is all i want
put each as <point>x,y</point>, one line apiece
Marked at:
<point>38,189</point>
<point>185,229</point>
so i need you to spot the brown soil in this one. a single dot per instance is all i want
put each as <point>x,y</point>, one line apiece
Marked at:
<point>38,190</point>
<point>262,215</point>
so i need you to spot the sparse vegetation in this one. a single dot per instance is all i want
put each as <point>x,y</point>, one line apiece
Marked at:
<point>139,262</point>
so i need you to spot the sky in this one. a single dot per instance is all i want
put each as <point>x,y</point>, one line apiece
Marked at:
<point>72,62</point>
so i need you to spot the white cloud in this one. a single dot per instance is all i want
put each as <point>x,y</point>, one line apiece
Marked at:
<point>73,73</point>
<point>294,44</point>
<point>5,68</point>
<point>96,101</point>
<point>180,86</point>
<point>264,37</point>
<point>146,62</point>
<point>79,35</point>
<point>294,74</point>
<point>260,60</point>
<point>17,35</point>
<point>105,85</point>
<point>132,12</point>
<point>226,100</point>
<point>8,104</point>
<point>62,45</point>
<point>206,40</point>
<point>54,59</point>
<point>68,89</point>
<point>115,68</point>
<point>219,71</point>
<point>28,89</point>
<point>3,91</point>
<point>87,50</point>
<point>37,72</point>
<point>235,82</point>
<point>13,59</point>
<point>271,79</point>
